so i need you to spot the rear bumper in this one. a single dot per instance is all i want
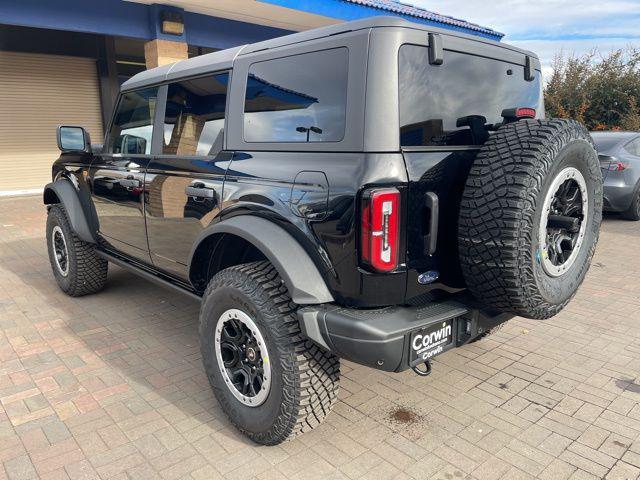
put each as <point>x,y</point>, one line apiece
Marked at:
<point>382,338</point>
<point>619,188</point>
<point>617,198</point>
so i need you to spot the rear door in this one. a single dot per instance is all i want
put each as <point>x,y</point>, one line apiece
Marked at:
<point>117,174</point>
<point>447,112</point>
<point>184,181</point>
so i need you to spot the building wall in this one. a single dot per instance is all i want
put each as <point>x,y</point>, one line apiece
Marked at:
<point>38,92</point>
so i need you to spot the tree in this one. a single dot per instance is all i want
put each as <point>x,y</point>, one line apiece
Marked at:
<point>601,92</point>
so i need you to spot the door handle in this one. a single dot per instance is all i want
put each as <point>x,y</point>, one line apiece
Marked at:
<point>431,238</point>
<point>199,191</point>
<point>130,182</point>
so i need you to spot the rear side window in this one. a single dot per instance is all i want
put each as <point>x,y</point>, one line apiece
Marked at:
<point>132,126</point>
<point>445,104</point>
<point>301,98</point>
<point>194,116</point>
<point>604,144</point>
<point>633,147</point>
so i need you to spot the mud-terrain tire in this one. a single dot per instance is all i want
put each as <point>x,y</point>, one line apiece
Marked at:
<point>522,177</point>
<point>633,212</point>
<point>84,271</point>
<point>304,377</point>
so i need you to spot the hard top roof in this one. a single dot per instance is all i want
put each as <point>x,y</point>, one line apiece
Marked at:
<point>224,59</point>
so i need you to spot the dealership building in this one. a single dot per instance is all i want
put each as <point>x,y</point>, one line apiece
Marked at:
<point>62,61</point>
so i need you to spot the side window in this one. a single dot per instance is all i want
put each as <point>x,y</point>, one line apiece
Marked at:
<point>301,98</point>
<point>633,147</point>
<point>194,117</point>
<point>132,126</point>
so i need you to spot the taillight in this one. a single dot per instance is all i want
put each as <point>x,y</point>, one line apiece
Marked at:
<point>617,166</point>
<point>380,233</point>
<point>612,164</point>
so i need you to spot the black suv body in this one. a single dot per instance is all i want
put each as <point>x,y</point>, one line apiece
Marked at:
<point>339,158</point>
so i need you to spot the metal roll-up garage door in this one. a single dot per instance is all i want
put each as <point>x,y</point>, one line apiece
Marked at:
<point>38,92</point>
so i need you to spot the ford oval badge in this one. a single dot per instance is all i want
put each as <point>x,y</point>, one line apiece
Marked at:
<point>428,277</point>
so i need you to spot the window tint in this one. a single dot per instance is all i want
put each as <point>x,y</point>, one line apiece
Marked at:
<point>297,99</point>
<point>633,147</point>
<point>194,117</point>
<point>132,126</point>
<point>455,103</point>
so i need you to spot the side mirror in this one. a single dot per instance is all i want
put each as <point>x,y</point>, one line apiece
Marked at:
<point>131,144</point>
<point>73,139</point>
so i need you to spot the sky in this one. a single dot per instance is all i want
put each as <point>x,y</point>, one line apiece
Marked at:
<point>550,26</point>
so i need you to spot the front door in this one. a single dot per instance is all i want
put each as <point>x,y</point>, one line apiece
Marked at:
<point>117,174</point>
<point>184,183</point>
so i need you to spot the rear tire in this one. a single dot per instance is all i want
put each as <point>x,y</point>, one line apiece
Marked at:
<point>77,268</point>
<point>511,258</point>
<point>633,212</point>
<point>301,380</point>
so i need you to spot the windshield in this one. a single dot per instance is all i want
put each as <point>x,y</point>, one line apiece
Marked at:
<point>458,102</point>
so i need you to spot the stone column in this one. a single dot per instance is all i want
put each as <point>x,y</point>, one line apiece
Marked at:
<point>161,52</point>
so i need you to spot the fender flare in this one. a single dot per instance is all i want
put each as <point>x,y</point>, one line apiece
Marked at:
<point>64,192</point>
<point>295,266</point>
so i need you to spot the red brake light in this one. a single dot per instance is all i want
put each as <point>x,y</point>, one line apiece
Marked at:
<point>380,228</point>
<point>513,114</point>
<point>525,113</point>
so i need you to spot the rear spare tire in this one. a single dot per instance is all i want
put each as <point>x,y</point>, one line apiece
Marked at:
<point>530,216</point>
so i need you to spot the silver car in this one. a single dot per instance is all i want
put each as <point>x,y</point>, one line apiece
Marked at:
<point>619,154</point>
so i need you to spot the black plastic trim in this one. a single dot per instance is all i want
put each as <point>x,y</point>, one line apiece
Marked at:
<point>431,239</point>
<point>436,50</point>
<point>377,338</point>
<point>529,72</point>
<point>380,338</point>
<point>149,274</point>
<point>77,214</point>
<point>301,276</point>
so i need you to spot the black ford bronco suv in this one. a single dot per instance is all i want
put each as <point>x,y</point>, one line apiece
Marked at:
<point>378,191</point>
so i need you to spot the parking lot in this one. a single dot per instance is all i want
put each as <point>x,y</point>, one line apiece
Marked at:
<point>111,386</point>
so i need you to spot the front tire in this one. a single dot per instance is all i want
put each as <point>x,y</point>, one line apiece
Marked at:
<point>270,380</point>
<point>77,268</point>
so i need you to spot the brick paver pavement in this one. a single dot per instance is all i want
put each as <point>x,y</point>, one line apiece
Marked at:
<point>111,386</point>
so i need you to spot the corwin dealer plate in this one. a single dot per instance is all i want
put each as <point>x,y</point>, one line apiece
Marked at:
<point>430,341</point>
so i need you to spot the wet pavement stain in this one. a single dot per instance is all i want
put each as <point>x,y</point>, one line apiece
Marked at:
<point>403,415</point>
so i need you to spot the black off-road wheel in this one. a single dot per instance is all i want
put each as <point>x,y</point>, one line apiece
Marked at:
<point>633,212</point>
<point>270,380</point>
<point>77,268</point>
<point>530,217</point>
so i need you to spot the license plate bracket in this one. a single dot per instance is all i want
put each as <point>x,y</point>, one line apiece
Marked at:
<point>427,342</point>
